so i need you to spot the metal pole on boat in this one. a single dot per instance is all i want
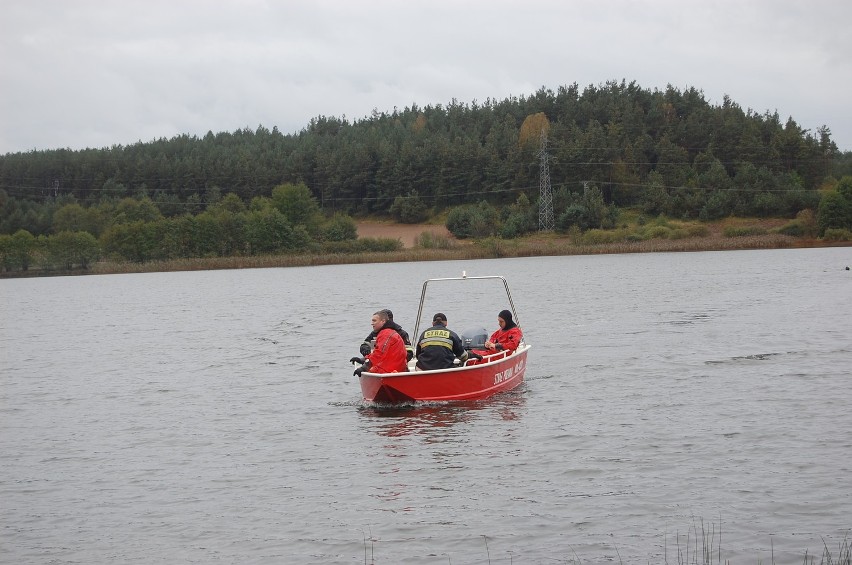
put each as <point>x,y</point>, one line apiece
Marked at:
<point>511,302</point>
<point>463,277</point>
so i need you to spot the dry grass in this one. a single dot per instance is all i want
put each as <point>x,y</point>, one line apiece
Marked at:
<point>408,234</point>
<point>433,243</point>
<point>487,249</point>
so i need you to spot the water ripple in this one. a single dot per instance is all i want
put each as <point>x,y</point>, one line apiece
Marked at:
<point>213,416</point>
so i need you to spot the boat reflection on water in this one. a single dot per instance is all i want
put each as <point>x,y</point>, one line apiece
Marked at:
<point>427,418</point>
<point>435,434</point>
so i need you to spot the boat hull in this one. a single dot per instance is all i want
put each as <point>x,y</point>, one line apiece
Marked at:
<point>471,382</point>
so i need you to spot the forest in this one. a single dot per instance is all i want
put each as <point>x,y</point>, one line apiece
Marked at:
<point>482,165</point>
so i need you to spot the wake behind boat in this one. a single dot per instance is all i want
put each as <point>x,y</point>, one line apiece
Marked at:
<point>473,380</point>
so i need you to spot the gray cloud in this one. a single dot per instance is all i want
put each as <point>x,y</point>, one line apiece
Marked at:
<point>94,73</point>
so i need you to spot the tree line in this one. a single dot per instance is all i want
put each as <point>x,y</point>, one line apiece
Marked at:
<point>609,146</point>
<point>289,221</point>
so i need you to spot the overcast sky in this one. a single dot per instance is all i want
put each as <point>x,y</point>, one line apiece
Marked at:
<point>97,73</point>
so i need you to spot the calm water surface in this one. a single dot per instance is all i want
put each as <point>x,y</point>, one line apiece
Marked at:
<point>212,416</point>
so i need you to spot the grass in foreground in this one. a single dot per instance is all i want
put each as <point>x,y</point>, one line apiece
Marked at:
<point>701,545</point>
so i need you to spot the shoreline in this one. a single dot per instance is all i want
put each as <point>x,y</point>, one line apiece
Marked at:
<point>546,245</point>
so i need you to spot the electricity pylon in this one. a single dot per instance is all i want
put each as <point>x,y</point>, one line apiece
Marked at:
<point>545,208</point>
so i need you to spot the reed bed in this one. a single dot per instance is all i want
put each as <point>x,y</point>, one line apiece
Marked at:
<point>442,249</point>
<point>701,544</point>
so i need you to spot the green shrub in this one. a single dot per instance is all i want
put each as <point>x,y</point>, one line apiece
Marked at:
<point>409,209</point>
<point>516,224</point>
<point>837,234</point>
<point>519,218</point>
<point>480,220</point>
<point>575,215</point>
<point>128,241</point>
<point>575,235</point>
<point>340,228</point>
<point>808,220</point>
<point>19,250</point>
<point>298,205</point>
<point>267,231</point>
<point>495,247</point>
<point>697,230</point>
<point>718,205</point>
<point>429,240</point>
<point>835,208</point>
<point>793,228</point>
<point>657,232</point>
<point>460,221</point>
<point>596,237</point>
<point>67,249</point>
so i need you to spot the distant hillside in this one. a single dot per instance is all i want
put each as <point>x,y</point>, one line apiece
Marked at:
<point>668,151</point>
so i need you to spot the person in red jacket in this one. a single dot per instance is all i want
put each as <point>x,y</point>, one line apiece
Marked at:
<point>389,355</point>
<point>507,338</point>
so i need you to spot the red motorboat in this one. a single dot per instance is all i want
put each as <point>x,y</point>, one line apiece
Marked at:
<point>469,382</point>
<point>474,380</point>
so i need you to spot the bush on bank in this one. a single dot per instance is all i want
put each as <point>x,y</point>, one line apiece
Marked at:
<point>290,222</point>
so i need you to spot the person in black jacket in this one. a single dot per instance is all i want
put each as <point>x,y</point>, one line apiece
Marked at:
<point>367,346</point>
<point>438,346</point>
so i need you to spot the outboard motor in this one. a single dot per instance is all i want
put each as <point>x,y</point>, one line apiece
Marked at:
<point>474,338</point>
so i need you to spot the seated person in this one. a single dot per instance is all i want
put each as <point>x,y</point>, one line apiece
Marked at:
<point>389,354</point>
<point>438,346</point>
<point>367,346</point>
<point>507,338</point>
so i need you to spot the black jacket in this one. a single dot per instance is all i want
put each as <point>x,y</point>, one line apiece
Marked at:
<point>438,347</point>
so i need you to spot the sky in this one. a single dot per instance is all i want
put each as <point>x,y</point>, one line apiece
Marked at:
<point>97,73</point>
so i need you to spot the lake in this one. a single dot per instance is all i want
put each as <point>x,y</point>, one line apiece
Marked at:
<point>672,403</point>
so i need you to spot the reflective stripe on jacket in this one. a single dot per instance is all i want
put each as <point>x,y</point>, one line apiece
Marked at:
<point>438,347</point>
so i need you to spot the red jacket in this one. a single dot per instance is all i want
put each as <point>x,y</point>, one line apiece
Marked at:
<point>508,339</point>
<point>389,356</point>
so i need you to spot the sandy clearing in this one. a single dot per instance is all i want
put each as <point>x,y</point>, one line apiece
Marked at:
<point>406,233</point>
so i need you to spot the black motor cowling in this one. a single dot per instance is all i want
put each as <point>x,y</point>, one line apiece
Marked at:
<point>474,338</point>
